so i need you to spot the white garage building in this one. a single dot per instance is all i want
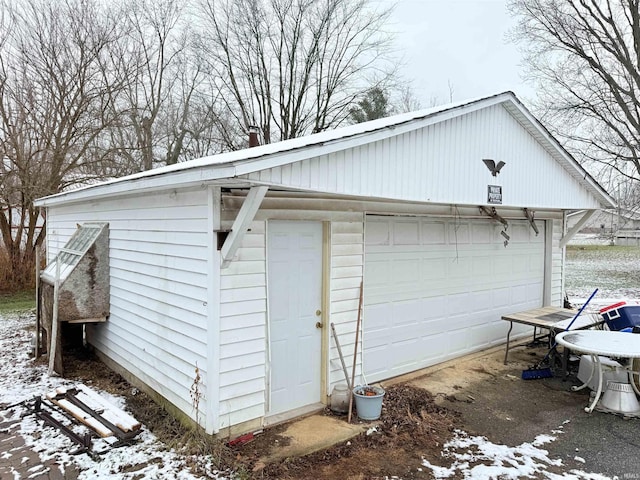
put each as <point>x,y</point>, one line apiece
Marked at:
<point>236,264</point>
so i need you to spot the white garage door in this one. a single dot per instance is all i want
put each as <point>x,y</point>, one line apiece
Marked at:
<point>435,289</point>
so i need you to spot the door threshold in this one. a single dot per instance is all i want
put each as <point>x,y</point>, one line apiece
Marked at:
<point>276,418</point>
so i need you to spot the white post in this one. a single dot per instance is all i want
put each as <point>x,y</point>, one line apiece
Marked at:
<point>53,341</point>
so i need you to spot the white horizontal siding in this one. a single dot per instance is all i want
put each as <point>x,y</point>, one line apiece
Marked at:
<point>243,313</point>
<point>157,327</point>
<point>347,263</point>
<point>442,163</point>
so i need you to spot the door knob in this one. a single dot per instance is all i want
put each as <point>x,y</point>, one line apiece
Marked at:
<point>318,313</point>
<point>319,325</point>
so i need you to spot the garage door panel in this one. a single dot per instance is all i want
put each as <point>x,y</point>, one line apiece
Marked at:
<point>432,269</point>
<point>442,297</point>
<point>502,297</point>
<point>532,290</point>
<point>441,325</point>
<point>406,313</point>
<point>459,233</point>
<point>378,233</point>
<point>519,294</point>
<point>534,266</point>
<point>406,233</point>
<point>457,342</point>
<point>405,354</point>
<point>458,304</point>
<point>378,316</point>
<point>434,233</point>
<point>482,300</point>
<point>378,270</point>
<point>481,266</point>
<point>404,270</point>
<point>481,335</point>
<point>432,307</point>
<point>521,268</point>
<point>519,234</point>
<point>481,234</point>
<point>502,266</point>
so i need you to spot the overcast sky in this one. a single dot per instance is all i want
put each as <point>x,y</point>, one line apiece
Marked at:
<point>461,42</point>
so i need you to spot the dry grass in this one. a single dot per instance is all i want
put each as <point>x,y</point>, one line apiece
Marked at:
<point>10,281</point>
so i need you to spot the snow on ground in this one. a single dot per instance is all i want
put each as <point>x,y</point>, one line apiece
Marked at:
<point>477,458</point>
<point>614,271</point>
<point>471,456</point>
<point>590,239</point>
<point>21,380</point>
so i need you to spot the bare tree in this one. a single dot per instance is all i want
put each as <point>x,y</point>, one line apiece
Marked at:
<point>584,57</point>
<point>55,94</point>
<point>167,109</point>
<point>291,67</point>
<point>407,101</point>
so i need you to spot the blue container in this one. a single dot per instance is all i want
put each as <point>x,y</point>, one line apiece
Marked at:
<point>621,316</point>
<point>368,407</point>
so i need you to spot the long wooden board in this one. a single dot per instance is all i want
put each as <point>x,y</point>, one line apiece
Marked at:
<point>106,410</point>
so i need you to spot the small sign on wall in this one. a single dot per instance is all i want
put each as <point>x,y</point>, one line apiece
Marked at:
<point>494,194</point>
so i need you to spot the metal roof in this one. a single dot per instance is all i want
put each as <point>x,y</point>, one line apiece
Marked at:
<point>228,166</point>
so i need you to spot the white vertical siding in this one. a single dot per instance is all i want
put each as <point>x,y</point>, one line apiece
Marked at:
<point>442,163</point>
<point>157,328</point>
<point>243,341</point>
<point>347,264</point>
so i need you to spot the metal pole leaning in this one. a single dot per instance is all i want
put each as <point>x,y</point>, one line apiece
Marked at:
<point>355,354</point>
<point>344,366</point>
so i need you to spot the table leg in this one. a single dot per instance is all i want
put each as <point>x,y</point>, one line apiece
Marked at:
<point>585,384</point>
<point>596,363</point>
<point>506,353</point>
<point>565,362</point>
<point>631,380</point>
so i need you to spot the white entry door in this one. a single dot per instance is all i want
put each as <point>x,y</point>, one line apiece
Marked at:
<point>295,295</point>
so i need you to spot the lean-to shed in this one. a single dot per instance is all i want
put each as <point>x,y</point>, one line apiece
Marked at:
<point>226,271</point>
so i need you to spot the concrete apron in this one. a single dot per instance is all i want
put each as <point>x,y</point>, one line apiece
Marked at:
<point>318,432</point>
<point>314,433</point>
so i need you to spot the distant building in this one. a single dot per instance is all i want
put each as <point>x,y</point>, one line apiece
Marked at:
<point>621,225</point>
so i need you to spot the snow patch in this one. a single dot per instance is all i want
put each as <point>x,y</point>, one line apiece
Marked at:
<point>478,458</point>
<point>22,380</point>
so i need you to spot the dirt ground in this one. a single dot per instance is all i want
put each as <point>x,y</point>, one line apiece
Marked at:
<point>412,426</point>
<point>420,413</point>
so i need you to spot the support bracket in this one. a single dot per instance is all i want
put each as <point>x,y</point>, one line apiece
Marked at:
<point>530,216</point>
<point>576,228</point>
<point>241,224</point>
<point>494,214</point>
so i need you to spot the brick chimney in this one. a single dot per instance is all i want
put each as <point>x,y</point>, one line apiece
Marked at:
<point>253,136</point>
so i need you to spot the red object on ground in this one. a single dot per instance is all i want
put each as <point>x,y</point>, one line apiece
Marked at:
<point>241,440</point>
